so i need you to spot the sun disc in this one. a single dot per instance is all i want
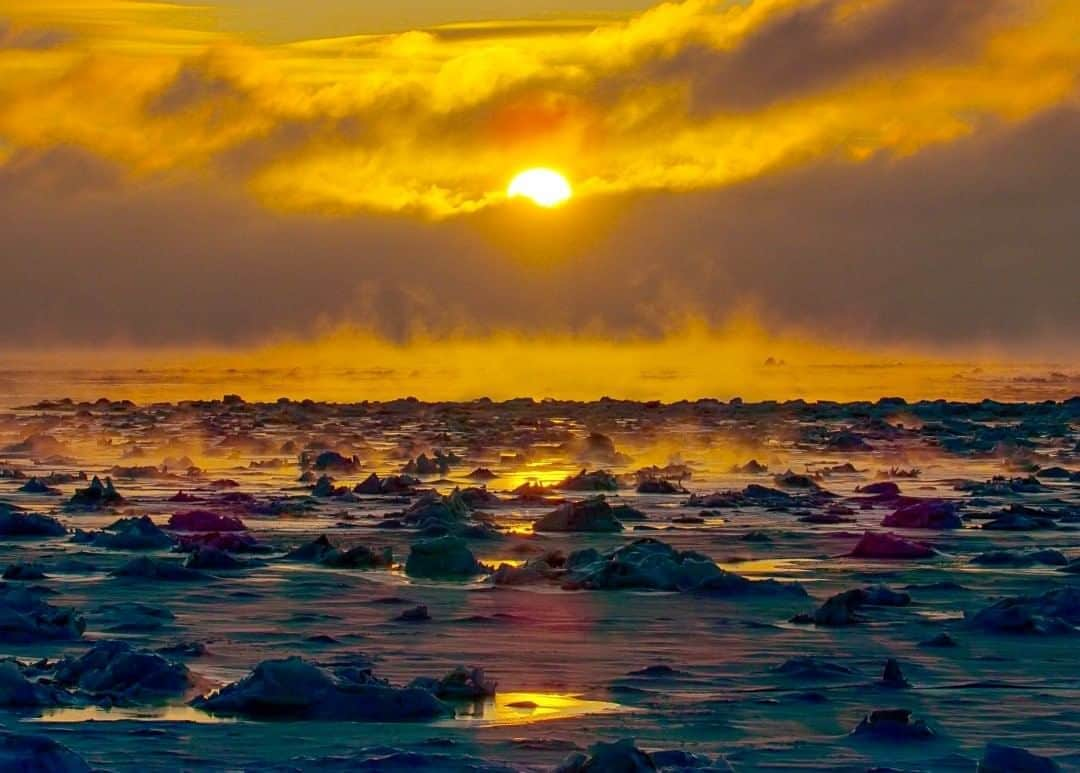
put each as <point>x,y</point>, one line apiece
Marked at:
<point>544,187</point>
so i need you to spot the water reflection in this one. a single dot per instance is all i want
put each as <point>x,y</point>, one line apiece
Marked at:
<point>520,708</point>
<point>512,708</point>
<point>144,714</point>
<point>771,568</point>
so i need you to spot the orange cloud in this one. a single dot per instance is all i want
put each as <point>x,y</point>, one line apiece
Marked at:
<point>684,96</point>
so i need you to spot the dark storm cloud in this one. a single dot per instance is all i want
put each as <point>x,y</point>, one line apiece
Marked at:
<point>968,242</point>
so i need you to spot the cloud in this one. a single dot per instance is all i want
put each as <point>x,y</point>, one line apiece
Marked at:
<point>516,29</point>
<point>29,38</point>
<point>969,243</point>
<point>818,45</point>
<point>196,85</point>
<point>58,172</point>
<point>871,171</point>
<point>686,96</point>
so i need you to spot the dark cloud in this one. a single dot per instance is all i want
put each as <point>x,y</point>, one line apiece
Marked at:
<point>58,172</point>
<point>968,242</point>
<point>289,138</point>
<point>200,83</point>
<point>512,29</point>
<point>819,45</point>
<point>31,38</point>
<point>971,242</point>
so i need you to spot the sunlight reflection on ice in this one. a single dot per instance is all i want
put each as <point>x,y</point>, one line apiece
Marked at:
<point>521,708</point>
<point>771,568</point>
<point>144,714</point>
<point>512,708</point>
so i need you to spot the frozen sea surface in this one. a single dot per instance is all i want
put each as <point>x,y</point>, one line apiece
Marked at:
<point>673,669</point>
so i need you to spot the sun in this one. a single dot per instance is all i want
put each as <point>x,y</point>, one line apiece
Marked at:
<point>544,187</point>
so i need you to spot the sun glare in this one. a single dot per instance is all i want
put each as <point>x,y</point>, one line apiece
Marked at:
<point>544,187</point>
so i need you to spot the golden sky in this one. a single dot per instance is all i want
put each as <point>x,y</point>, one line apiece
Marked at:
<point>816,161</point>
<point>682,96</point>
